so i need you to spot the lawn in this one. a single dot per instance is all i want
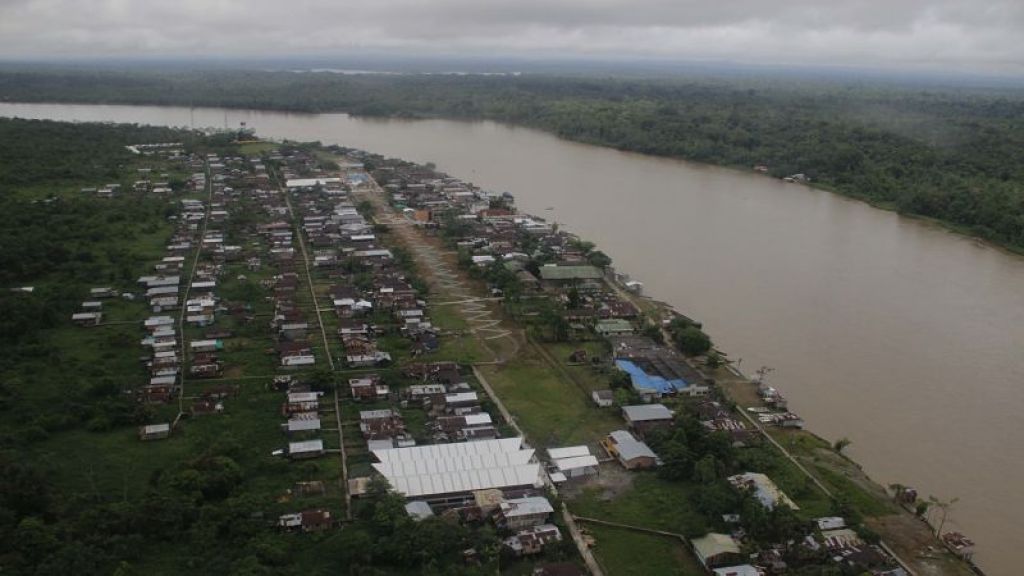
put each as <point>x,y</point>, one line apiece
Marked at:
<point>446,317</point>
<point>649,503</point>
<point>586,375</point>
<point>840,475</point>
<point>552,410</point>
<point>626,553</point>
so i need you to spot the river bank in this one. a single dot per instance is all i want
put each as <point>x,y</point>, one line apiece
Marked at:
<point>900,336</point>
<point>588,423</point>
<point>937,153</point>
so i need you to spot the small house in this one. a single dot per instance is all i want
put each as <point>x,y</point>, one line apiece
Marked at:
<point>525,512</point>
<point>532,540</point>
<point>87,318</point>
<point>154,432</point>
<point>302,423</point>
<point>645,417</point>
<point>603,398</point>
<point>368,388</point>
<point>307,449</point>
<point>716,550</point>
<point>630,452</point>
<point>306,521</point>
<point>573,462</point>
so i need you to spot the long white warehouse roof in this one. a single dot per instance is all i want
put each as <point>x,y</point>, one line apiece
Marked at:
<point>461,467</point>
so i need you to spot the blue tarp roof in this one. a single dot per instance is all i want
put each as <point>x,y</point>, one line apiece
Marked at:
<point>643,380</point>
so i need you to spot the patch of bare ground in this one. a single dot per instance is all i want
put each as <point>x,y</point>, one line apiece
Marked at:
<point>913,541</point>
<point>612,481</point>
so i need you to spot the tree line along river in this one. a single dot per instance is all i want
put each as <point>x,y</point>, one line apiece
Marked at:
<point>901,336</point>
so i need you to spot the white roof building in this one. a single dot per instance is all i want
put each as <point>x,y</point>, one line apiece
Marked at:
<point>480,419</point>
<point>461,398</point>
<point>529,506</point>
<point>423,471</point>
<point>577,464</point>
<point>296,397</point>
<point>646,412</point>
<point>763,489</point>
<point>310,182</point>
<point>303,424</point>
<point>307,447</point>
<point>629,447</point>
<point>568,452</point>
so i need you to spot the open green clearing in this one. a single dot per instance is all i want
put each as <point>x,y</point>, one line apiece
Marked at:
<point>551,410</point>
<point>623,552</point>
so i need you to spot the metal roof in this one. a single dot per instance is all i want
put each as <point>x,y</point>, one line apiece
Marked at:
<point>763,488</point>
<point>307,446</point>
<point>713,544</point>
<point>295,397</point>
<point>454,463</point>
<point>576,462</point>
<point>460,397</point>
<point>643,412</point>
<point>629,447</point>
<point>568,452</point>
<point>303,424</point>
<point>461,467</point>
<point>436,451</point>
<point>477,419</point>
<point>570,273</point>
<point>526,506</point>
<point>643,380</point>
<point>418,509</point>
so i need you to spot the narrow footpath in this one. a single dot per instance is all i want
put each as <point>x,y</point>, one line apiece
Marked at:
<point>297,230</point>
<point>188,287</point>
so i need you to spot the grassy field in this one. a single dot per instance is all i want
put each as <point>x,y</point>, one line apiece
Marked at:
<point>623,552</point>
<point>552,410</point>
<point>587,375</point>
<point>256,148</point>
<point>649,502</point>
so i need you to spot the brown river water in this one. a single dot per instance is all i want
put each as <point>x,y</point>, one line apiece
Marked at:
<point>901,336</point>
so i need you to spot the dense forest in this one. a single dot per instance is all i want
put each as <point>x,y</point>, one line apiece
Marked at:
<point>952,154</point>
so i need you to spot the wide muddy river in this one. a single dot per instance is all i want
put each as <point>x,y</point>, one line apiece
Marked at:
<point>905,338</point>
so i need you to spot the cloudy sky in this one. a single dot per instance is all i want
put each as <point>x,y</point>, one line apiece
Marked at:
<point>975,35</point>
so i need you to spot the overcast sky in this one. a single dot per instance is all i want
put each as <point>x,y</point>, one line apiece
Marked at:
<point>971,35</point>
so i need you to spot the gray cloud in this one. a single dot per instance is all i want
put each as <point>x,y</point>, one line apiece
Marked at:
<point>953,34</point>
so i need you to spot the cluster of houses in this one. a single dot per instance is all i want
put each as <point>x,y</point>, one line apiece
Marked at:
<point>775,411</point>
<point>164,290</point>
<point>91,312</point>
<point>154,183</point>
<point>726,554</point>
<point>182,292</point>
<point>302,411</point>
<point>454,460</point>
<point>492,236</point>
<point>451,411</point>
<point>370,293</point>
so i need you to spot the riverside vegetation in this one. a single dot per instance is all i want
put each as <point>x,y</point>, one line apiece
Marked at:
<point>954,154</point>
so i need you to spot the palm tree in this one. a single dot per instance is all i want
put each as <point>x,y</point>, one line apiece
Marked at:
<point>841,444</point>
